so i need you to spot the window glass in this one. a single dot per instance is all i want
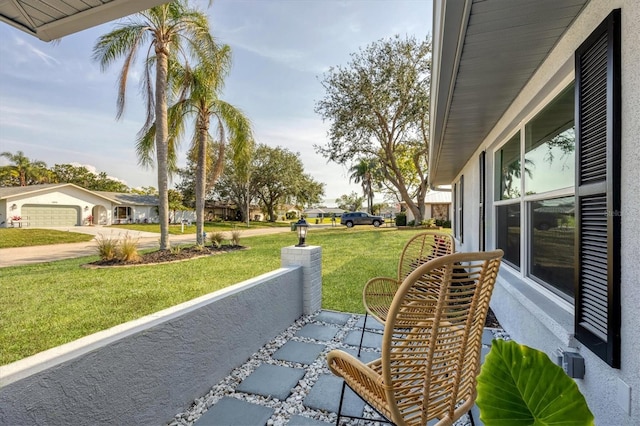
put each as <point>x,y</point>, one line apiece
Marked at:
<point>550,146</point>
<point>552,243</point>
<point>508,224</point>
<point>508,169</point>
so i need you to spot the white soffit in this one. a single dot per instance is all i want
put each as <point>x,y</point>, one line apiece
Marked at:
<point>52,19</point>
<point>484,52</point>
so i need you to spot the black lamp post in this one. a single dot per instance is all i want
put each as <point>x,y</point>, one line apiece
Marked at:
<point>302,226</point>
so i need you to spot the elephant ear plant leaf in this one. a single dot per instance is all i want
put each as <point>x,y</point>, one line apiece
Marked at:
<point>519,385</point>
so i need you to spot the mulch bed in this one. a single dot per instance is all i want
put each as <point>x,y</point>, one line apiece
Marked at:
<point>166,256</point>
<point>492,321</point>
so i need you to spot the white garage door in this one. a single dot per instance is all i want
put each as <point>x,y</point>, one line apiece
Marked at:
<point>50,215</point>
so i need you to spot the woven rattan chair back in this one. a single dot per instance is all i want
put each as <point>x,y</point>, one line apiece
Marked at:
<point>422,248</point>
<point>432,339</point>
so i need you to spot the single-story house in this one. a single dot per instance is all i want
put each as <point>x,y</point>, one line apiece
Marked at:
<point>437,205</point>
<point>534,121</point>
<point>323,212</point>
<point>66,204</point>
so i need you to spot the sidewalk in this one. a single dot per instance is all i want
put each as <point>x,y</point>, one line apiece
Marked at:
<point>49,253</point>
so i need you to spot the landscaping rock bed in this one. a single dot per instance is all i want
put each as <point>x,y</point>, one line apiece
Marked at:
<point>164,256</point>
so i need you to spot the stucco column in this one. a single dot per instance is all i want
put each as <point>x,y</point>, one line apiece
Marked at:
<point>310,258</point>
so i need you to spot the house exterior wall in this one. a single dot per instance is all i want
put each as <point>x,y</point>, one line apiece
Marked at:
<point>531,314</point>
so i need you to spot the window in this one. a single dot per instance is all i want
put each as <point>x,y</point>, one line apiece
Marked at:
<point>550,146</point>
<point>552,237</point>
<point>535,224</point>
<point>509,183</point>
<point>508,220</point>
<point>549,162</point>
<point>597,198</point>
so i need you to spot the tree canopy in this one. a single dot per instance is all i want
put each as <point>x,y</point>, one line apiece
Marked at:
<point>378,107</point>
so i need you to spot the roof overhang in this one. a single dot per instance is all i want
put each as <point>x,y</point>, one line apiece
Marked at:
<point>52,19</point>
<point>484,53</point>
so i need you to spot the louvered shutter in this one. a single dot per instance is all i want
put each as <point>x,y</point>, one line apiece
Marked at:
<point>597,321</point>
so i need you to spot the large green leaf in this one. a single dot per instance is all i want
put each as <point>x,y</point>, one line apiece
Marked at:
<point>519,385</point>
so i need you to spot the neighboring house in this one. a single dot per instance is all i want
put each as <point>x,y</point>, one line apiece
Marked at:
<point>66,204</point>
<point>323,212</point>
<point>535,108</point>
<point>437,205</point>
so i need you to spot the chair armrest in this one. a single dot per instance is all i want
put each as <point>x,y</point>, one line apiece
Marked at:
<point>377,296</point>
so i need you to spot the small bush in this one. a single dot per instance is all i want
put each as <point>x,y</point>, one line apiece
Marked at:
<point>411,223</point>
<point>446,224</point>
<point>235,238</point>
<point>107,247</point>
<point>216,239</point>
<point>128,250</point>
<point>401,219</point>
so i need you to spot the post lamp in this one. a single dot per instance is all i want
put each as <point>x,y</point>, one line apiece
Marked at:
<point>302,226</point>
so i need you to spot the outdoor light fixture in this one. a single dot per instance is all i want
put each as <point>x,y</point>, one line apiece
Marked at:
<point>302,226</point>
<point>86,208</point>
<point>14,206</point>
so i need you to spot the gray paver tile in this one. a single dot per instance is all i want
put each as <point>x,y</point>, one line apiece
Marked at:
<point>301,352</point>
<point>234,412</point>
<point>325,395</point>
<point>318,332</point>
<point>333,317</point>
<point>299,420</point>
<point>272,380</point>
<point>487,337</point>
<point>372,324</point>
<point>370,340</point>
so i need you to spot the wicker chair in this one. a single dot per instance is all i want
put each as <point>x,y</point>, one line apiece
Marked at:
<point>378,292</point>
<point>431,344</point>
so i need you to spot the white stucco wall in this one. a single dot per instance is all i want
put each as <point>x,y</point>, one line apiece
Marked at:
<point>528,312</point>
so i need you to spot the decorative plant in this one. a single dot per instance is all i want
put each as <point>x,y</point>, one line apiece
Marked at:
<point>235,238</point>
<point>216,239</point>
<point>519,385</point>
<point>16,218</point>
<point>89,219</point>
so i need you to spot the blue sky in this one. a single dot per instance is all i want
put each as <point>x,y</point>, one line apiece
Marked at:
<point>58,107</point>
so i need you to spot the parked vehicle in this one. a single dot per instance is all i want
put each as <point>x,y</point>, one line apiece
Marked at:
<point>360,218</point>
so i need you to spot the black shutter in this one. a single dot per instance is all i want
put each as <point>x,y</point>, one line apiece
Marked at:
<point>481,210</point>
<point>597,61</point>
<point>461,208</point>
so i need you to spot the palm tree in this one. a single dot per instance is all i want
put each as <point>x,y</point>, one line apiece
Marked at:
<point>169,30</point>
<point>200,100</point>
<point>25,170</point>
<point>362,173</point>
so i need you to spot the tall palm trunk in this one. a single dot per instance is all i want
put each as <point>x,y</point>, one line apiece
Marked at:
<point>201,177</point>
<point>162,146</point>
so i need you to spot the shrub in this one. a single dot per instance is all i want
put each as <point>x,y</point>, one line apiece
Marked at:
<point>446,224</point>
<point>235,238</point>
<point>107,247</point>
<point>429,223</point>
<point>411,223</point>
<point>291,215</point>
<point>401,219</point>
<point>216,239</point>
<point>128,250</point>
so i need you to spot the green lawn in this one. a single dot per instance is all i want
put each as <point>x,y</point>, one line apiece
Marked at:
<point>18,237</point>
<point>45,305</point>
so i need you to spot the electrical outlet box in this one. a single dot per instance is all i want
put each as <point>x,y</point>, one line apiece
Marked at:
<point>573,364</point>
